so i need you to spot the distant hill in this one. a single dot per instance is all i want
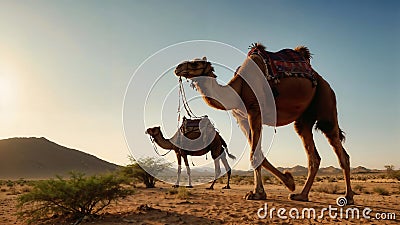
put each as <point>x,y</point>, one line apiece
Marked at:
<point>361,169</point>
<point>39,158</point>
<point>295,171</point>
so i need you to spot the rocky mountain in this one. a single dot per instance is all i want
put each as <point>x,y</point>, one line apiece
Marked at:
<point>39,158</point>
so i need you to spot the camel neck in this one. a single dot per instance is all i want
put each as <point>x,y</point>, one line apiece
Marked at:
<point>162,142</point>
<point>224,97</point>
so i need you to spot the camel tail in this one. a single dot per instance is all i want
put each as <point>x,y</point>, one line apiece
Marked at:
<point>342,136</point>
<point>226,149</point>
<point>304,51</point>
<point>327,127</point>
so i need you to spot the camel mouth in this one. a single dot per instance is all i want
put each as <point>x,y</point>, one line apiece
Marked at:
<point>183,73</point>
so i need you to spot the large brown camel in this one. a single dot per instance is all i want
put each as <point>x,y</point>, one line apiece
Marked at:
<point>306,102</point>
<point>216,147</point>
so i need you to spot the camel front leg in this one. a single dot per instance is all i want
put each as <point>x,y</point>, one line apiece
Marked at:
<point>187,171</point>
<point>257,159</point>
<point>178,157</point>
<point>305,131</point>
<point>256,156</point>
<point>227,168</point>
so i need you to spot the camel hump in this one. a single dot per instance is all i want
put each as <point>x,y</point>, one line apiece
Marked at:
<point>304,51</point>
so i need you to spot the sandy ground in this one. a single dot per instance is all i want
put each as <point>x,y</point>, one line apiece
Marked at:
<point>159,206</point>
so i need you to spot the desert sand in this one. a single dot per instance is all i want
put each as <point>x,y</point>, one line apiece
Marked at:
<point>161,206</point>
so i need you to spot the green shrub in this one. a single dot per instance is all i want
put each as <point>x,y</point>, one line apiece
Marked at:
<point>142,170</point>
<point>72,198</point>
<point>381,191</point>
<point>9,183</point>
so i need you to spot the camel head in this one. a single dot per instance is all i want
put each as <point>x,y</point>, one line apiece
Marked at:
<point>195,68</point>
<point>154,131</point>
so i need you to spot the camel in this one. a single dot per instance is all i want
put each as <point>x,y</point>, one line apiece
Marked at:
<point>216,147</point>
<point>306,102</point>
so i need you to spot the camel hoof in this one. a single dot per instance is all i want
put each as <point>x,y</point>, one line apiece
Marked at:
<point>298,197</point>
<point>227,187</point>
<point>210,188</point>
<point>289,181</point>
<point>189,186</point>
<point>255,196</point>
<point>175,185</point>
<point>350,200</point>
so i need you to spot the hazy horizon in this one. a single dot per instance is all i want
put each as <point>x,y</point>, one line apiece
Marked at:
<point>65,66</point>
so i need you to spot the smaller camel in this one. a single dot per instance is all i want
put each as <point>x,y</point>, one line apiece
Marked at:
<point>216,147</point>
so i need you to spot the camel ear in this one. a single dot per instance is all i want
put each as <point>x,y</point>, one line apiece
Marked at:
<point>204,58</point>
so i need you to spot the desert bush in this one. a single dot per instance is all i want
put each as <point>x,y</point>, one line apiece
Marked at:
<point>10,183</point>
<point>381,191</point>
<point>25,189</point>
<point>267,179</point>
<point>142,170</point>
<point>72,198</point>
<point>359,188</point>
<point>395,175</point>
<point>327,188</point>
<point>172,191</point>
<point>362,178</point>
<point>332,179</point>
<point>183,193</point>
<point>318,179</point>
<point>366,192</point>
<point>300,180</point>
<point>383,176</point>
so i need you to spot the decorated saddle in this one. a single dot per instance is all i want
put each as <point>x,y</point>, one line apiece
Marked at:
<point>285,63</point>
<point>196,125</point>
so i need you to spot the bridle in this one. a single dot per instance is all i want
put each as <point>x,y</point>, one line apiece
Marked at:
<point>204,71</point>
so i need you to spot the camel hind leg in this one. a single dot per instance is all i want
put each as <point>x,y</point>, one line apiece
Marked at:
<point>335,137</point>
<point>327,122</point>
<point>217,170</point>
<point>227,169</point>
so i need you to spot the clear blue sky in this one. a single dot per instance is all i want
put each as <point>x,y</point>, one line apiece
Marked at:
<point>64,66</point>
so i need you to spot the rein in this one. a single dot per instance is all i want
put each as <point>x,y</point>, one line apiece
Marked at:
<point>155,147</point>
<point>182,96</point>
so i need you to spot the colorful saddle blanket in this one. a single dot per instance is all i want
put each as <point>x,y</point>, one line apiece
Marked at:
<point>285,63</point>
